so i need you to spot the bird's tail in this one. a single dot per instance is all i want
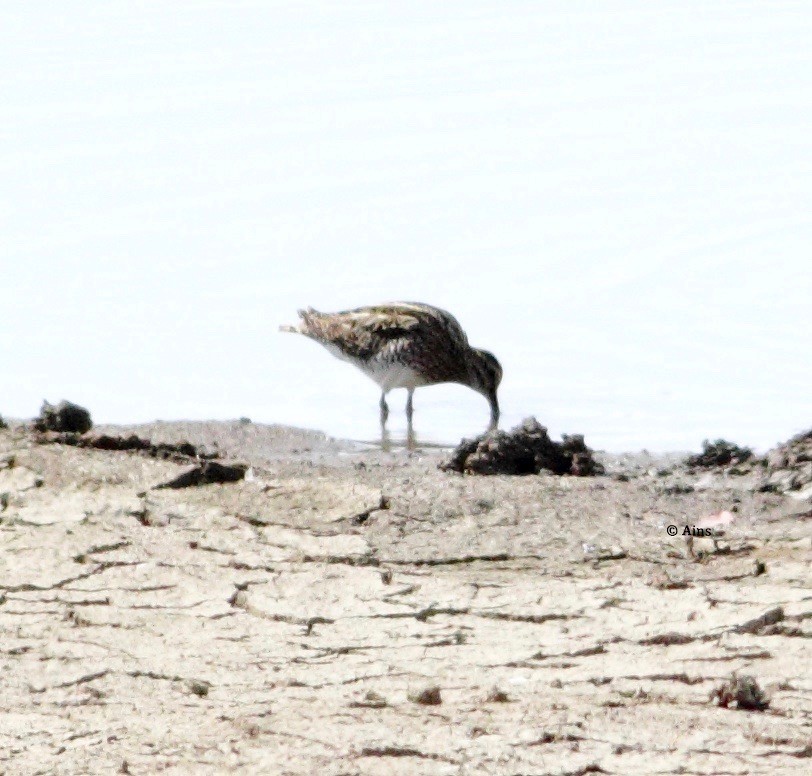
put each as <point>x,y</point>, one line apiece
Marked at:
<point>304,328</point>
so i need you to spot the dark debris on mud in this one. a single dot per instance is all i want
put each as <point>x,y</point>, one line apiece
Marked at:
<point>719,453</point>
<point>789,465</point>
<point>527,449</point>
<point>206,473</point>
<point>63,417</point>
<point>740,692</point>
<point>180,452</point>
<point>785,468</point>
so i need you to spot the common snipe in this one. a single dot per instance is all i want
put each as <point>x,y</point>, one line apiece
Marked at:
<point>404,345</point>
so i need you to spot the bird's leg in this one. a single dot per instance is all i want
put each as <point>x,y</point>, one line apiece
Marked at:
<point>410,441</point>
<point>385,441</point>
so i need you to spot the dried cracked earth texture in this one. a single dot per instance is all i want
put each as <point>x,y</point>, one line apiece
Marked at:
<point>348,611</point>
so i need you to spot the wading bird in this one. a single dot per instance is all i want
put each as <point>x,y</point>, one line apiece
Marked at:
<point>405,345</point>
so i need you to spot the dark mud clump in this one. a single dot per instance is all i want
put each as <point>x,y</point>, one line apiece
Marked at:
<point>789,466</point>
<point>786,468</point>
<point>65,416</point>
<point>207,473</point>
<point>717,454</point>
<point>527,449</point>
<point>741,692</point>
<point>181,452</point>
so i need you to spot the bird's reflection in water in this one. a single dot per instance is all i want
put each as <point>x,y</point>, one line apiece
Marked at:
<point>389,443</point>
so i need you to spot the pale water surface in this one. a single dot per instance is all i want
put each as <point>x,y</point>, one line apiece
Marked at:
<point>614,197</point>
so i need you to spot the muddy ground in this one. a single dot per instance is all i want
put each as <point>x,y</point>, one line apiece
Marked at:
<point>349,611</point>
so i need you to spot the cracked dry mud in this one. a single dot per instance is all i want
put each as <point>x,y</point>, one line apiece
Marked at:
<point>347,611</point>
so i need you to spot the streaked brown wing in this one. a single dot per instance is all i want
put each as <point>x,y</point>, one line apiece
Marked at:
<point>366,332</point>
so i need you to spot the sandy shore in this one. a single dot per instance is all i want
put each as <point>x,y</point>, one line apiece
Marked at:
<point>292,623</point>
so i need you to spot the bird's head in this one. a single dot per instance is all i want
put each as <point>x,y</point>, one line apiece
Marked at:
<point>485,374</point>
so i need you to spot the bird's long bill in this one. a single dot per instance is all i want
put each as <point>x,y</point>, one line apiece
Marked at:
<point>494,410</point>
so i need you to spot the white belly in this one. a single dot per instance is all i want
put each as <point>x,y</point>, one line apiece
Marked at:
<point>387,374</point>
<point>390,376</point>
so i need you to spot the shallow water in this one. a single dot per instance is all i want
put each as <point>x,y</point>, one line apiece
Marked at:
<point>613,198</point>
